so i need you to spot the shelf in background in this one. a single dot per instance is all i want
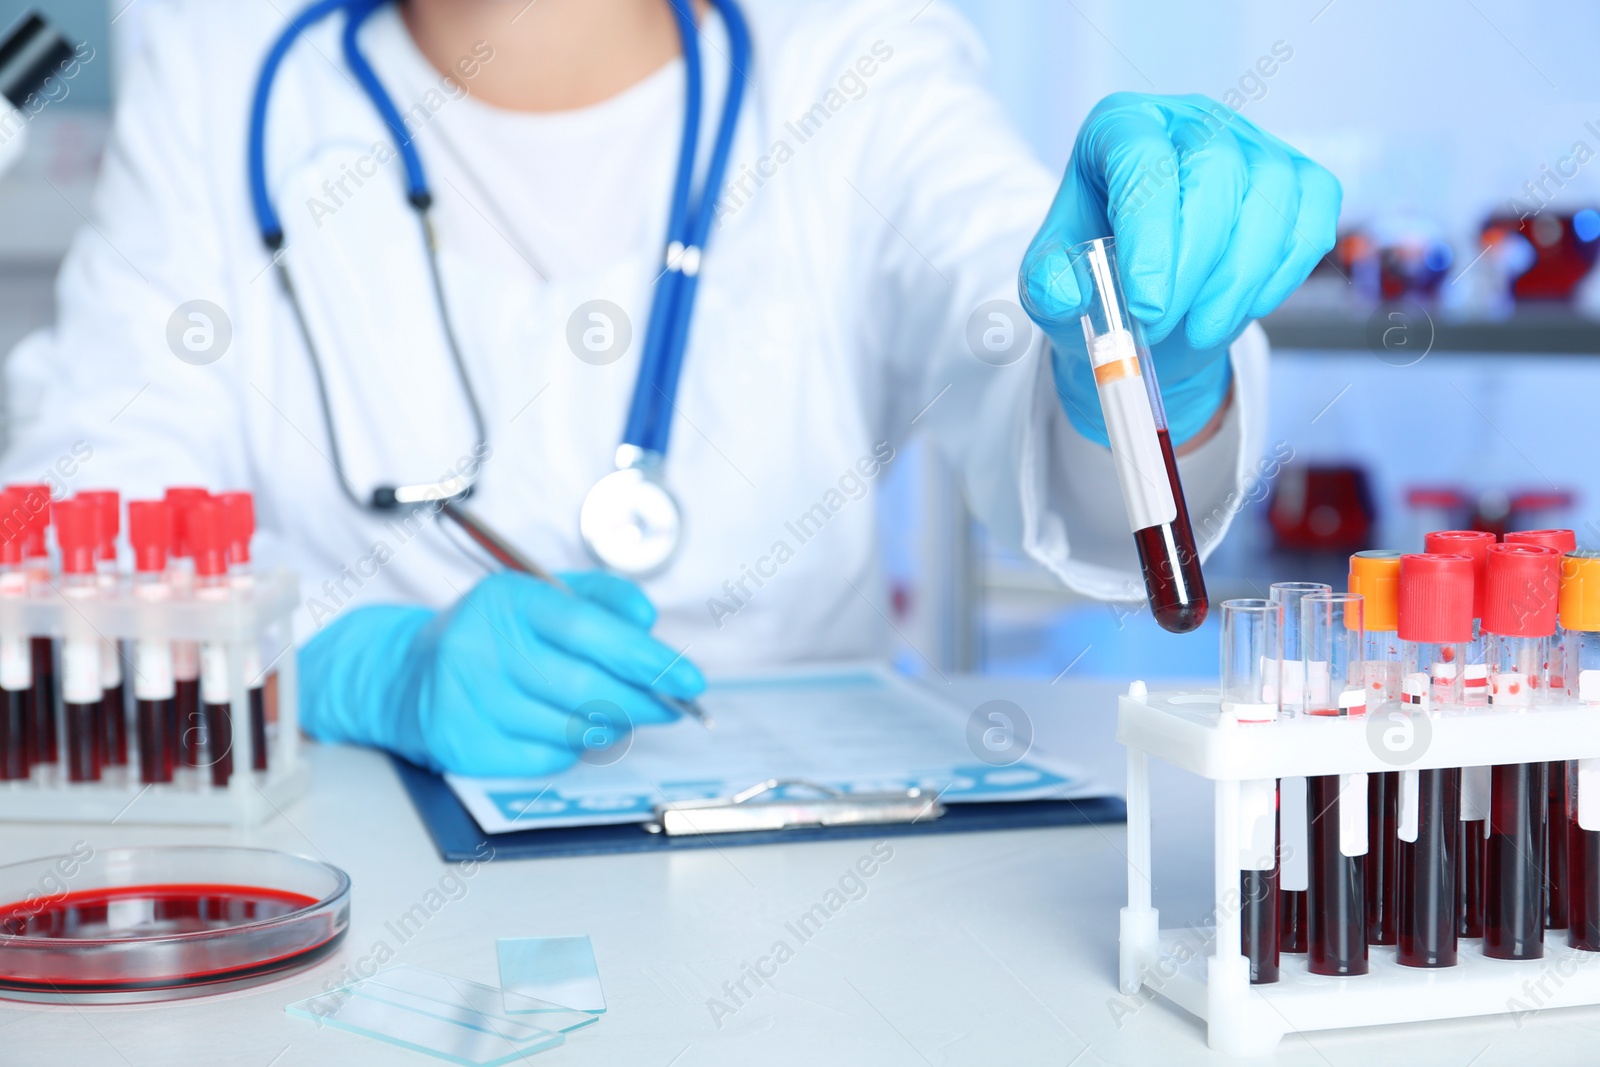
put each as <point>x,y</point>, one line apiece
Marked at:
<point>1556,331</point>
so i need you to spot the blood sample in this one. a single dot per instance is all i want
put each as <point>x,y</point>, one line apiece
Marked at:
<point>114,742</point>
<point>1333,639</point>
<point>1519,619</point>
<point>1555,896</point>
<point>208,541</point>
<point>150,534</point>
<point>1376,576</point>
<point>189,721</point>
<point>1579,612</point>
<point>1249,628</point>
<point>82,699</point>
<point>32,505</point>
<point>1434,624</point>
<point>1141,447</point>
<point>1294,842</point>
<point>16,660</point>
<point>239,515</point>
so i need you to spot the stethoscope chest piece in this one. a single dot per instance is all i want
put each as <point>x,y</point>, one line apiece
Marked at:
<point>630,521</point>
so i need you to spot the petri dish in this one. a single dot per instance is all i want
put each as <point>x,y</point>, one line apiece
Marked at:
<point>162,923</point>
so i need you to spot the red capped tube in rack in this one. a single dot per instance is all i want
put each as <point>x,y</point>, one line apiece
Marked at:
<point>108,509</point>
<point>1562,541</point>
<point>208,541</point>
<point>155,714</point>
<point>33,501</point>
<point>180,499</point>
<point>77,524</point>
<point>16,660</point>
<point>108,524</point>
<point>239,517</point>
<point>206,528</point>
<point>190,728</point>
<point>1523,583</point>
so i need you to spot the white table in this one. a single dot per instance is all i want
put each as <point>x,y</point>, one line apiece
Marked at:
<point>991,949</point>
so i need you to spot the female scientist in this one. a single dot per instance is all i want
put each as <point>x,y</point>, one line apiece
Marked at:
<point>667,286</point>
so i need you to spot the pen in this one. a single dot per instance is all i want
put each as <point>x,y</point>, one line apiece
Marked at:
<point>508,556</point>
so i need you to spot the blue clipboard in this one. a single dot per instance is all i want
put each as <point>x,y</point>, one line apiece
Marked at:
<point>459,838</point>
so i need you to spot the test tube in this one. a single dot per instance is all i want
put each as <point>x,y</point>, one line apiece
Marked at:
<point>1475,781</point>
<point>1249,626</point>
<point>16,658</point>
<point>1555,882</point>
<point>1141,447</point>
<point>150,535</point>
<point>33,508</point>
<point>1519,618</point>
<point>82,699</point>
<point>1579,612</point>
<point>239,517</point>
<point>1293,865</point>
<point>188,725</point>
<point>1434,625</point>
<point>1375,575</point>
<point>1332,637</point>
<point>208,540</point>
<point>108,512</point>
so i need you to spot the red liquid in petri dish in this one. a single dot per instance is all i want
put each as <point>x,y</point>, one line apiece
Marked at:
<point>1170,560</point>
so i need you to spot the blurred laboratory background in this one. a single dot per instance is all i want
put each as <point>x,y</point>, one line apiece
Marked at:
<point>1442,368</point>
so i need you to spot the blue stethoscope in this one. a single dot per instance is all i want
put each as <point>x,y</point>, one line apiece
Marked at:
<point>630,521</point>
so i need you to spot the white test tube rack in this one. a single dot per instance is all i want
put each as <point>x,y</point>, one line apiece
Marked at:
<point>1189,730</point>
<point>257,620</point>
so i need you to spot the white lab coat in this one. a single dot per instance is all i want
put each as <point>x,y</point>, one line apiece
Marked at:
<point>831,323</point>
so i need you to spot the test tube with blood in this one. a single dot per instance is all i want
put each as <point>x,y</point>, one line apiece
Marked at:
<point>1249,627</point>
<point>1376,576</point>
<point>82,699</point>
<point>150,535</point>
<point>1555,896</point>
<point>239,517</point>
<point>16,658</point>
<point>189,721</point>
<point>1519,618</point>
<point>108,509</point>
<point>1141,445</point>
<point>208,540</point>
<point>1475,781</point>
<point>1435,628</point>
<point>1293,826</point>
<point>1579,608</point>
<point>1333,639</point>
<point>32,507</point>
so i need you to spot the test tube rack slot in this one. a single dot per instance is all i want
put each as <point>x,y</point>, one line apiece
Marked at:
<point>258,621</point>
<point>1204,972</point>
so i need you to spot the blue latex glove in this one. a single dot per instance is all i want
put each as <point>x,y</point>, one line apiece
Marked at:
<point>1216,222</point>
<point>493,685</point>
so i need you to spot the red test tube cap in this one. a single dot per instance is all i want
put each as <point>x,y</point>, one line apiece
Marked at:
<point>180,498</point>
<point>1474,544</point>
<point>77,521</point>
<point>11,530</point>
<point>1523,587</point>
<point>150,534</point>
<point>239,519</point>
<point>208,538</point>
<point>108,507</point>
<point>1562,541</point>
<point>32,504</point>
<point>1436,598</point>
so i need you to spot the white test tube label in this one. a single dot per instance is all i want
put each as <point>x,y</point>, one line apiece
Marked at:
<point>1475,789</point>
<point>1258,824</point>
<point>1353,702</point>
<point>16,653</point>
<point>152,673</point>
<point>1415,691</point>
<point>1131,429</point>
<point>1475,685</point>
<point>1442,675</point>
<point>1353,814</point>
<point>213,657</point>
<point>1410,806</point>
<point>1589,687</point>
<point>80,659</point>
<point>1588,788</point>
<point>1509,689</point>
<point>1295,873</point>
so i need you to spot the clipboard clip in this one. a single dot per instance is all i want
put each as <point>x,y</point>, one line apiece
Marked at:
<point>745,811</point>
